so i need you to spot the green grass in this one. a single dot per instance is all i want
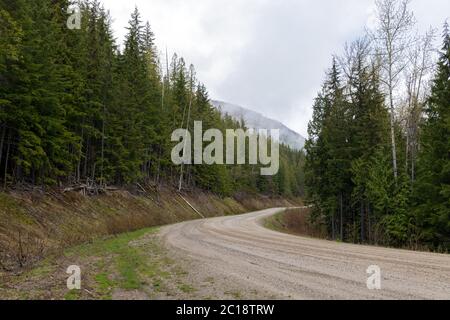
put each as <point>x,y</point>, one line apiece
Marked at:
<point>275,222</point>
<point>133,265</point>
<point>128,261</point>
<point>186,288</point>
<point>72,295</point>
<point>113,245</point>
<point>104,286</point>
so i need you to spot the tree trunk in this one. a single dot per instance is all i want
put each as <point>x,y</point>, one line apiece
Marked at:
<point>80,156</point>
<point>6,161</point>
<point>362,223</point>
<point>413,164</point>
<point>2,141</point>
<point>333,230</point>
<point>158,168</point>
<point>407,149</point>
<point>394,145</point>
<point>86,156</point>
<point>342,217</point>
<point>354,232</point>
<point>103,146</point>
<point>369,229</point>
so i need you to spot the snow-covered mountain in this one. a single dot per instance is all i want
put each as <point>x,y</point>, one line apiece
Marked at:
<point>258,121</point>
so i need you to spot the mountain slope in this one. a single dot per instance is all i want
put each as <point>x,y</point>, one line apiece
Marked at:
<point>258,121</point>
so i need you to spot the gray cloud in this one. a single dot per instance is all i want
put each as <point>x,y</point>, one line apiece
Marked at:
<point>269,56</point>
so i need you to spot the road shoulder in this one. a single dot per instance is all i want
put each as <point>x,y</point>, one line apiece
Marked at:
<point>130,266</point>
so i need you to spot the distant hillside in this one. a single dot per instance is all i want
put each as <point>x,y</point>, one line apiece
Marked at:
<point>258,121</point>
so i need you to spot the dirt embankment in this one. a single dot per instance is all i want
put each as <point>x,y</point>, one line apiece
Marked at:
<point>297,222</point>
<point>36,224</point>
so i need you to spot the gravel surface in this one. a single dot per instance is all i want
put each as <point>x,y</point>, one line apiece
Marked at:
<point>237,254</point>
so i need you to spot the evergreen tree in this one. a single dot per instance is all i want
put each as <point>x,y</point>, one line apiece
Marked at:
<point>76,109</point>
<point>432,191</point>
<point>326,151</point>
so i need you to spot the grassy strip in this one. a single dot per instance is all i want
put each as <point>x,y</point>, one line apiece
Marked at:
<point>130,263</point>
<point>120,263</point>
<point>276,222</point>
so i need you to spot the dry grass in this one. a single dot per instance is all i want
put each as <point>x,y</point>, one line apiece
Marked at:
<point>296,221</point>
<point>34,225</point>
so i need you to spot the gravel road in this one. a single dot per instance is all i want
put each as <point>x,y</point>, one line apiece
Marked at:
<point>244,257</point>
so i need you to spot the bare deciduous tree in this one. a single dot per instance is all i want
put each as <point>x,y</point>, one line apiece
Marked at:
<point>420,64</point>
<point>356,55</point>
<point>392,38</point>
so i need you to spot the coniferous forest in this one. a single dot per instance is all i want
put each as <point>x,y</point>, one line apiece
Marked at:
<point>78,107</point>
<point>378,156</point>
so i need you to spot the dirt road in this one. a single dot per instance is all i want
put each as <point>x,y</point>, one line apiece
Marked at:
<point>239,255</point>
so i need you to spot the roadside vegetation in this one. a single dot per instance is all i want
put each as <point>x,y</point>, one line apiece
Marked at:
<point>378,161</point>
<point>85,135</point>
<point>128,266</point>
<point>80,110</point>
<point>296,222</point>
<point>34,225</point>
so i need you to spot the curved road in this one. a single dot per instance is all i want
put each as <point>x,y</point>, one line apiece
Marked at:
<point>239,251</point>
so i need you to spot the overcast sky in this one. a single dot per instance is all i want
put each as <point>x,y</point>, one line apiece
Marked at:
<point>268,56</point>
